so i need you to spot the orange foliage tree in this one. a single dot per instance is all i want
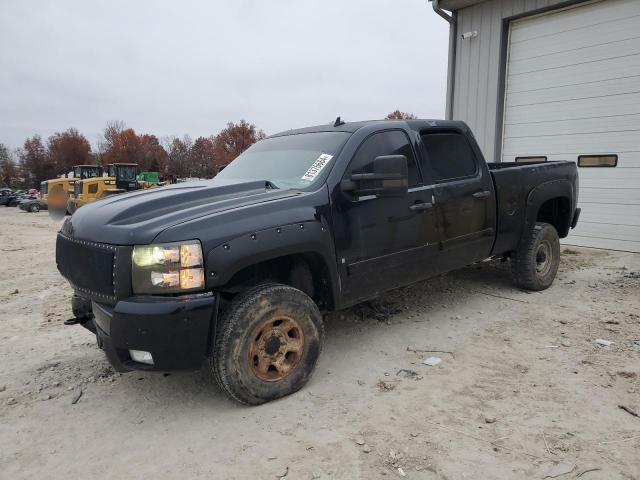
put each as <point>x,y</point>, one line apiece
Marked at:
<point>202,157</point>
<point>152,156</point>
<point>234,140</point>
<point>124,145</point>
<point>173,158</point>
<point>398,115</point>
<point>67,149</point>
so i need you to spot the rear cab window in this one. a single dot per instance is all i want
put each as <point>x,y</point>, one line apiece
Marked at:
<point>448,155</point>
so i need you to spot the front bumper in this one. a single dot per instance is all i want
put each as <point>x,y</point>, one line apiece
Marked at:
<point>177,331</point>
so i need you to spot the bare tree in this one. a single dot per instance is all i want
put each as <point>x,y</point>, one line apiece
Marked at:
<point>35,162</point>
<point>8,169</point>
<point>109,135</point>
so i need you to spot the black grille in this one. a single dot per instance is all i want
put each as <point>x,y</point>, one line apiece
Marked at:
<point>77,187</point>
<point>87,265</point>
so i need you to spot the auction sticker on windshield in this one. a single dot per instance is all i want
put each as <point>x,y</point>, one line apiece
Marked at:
<point>311,174</point>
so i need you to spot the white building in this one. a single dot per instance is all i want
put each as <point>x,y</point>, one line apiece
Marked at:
<point>558,80</point>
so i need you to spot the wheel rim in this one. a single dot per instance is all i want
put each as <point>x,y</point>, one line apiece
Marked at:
<point>276,349</point>
<point>543,258</point>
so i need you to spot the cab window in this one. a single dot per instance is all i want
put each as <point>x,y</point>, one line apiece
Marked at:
<point>394,142</point>
<point>449,155</point>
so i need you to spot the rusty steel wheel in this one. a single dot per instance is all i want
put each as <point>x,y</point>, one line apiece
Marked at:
<point>267,344</point>
<point>276,348</point>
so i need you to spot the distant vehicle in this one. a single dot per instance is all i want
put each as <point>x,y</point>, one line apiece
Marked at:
<point>56,192</point>
<point>235,272</point>
<point>122,177</point>
<point>5,196</point>
<point>33,205</point>
<point>149,179</point>
<point>15,199</point>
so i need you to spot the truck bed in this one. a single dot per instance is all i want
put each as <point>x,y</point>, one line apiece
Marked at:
<point>513,182</point>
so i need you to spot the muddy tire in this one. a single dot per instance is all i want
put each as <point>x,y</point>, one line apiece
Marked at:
<point>535,264</point>
<point>267,344</point>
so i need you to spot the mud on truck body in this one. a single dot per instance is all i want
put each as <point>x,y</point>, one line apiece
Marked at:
<point>237,271</point>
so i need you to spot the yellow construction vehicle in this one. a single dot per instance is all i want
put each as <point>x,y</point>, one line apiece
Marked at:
<point>55,192</point>
<point>122,177</point>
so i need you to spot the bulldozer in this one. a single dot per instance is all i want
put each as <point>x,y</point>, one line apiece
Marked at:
<point>55,192</point>
<point>122,177</point>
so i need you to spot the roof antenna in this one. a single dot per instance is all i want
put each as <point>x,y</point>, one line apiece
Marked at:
<point>339,122</point>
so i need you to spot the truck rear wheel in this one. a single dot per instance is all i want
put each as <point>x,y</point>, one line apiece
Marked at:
<point>535,264</point>
<point>267,344</point>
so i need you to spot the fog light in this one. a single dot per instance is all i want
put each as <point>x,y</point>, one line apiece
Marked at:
<point>141,357</point>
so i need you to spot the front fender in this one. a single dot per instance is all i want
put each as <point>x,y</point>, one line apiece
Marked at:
<point>227,259</point>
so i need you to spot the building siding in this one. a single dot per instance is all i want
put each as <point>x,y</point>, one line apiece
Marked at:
<point>477,87</point>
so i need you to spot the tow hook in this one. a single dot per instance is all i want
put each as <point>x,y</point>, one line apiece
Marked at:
<point>75,321</point>
<point>86,321</point>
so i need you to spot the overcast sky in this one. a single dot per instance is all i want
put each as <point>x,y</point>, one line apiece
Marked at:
<point>189,67</point>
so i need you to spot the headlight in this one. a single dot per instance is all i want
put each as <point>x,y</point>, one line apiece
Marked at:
<point>167,267</point>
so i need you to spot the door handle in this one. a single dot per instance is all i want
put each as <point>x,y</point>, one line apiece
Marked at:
<point>484,194</point>
<point>419,206</point>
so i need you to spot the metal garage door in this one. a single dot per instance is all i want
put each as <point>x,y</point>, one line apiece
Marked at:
<point>572,89</point>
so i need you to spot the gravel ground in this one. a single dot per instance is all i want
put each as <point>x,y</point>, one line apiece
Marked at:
<point>522,391</point>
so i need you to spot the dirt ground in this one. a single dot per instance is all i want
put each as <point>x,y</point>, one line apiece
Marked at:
<point>523,390</point>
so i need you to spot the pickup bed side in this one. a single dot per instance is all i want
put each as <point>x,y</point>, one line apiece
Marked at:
<point>530,193</point>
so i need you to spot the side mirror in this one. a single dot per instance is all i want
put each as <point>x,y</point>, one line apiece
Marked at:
<point>389,178</point>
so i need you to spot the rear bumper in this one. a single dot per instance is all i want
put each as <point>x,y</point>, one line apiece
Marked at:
<point>576,217</point>
<point>177,331</point>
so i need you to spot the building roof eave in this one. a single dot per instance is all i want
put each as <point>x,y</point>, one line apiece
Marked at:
<point>453,5</point>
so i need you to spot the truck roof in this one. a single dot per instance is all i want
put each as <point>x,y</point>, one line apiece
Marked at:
<point>352,127</point>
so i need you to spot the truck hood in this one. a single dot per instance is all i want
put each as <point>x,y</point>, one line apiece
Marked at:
<point>137,218</point>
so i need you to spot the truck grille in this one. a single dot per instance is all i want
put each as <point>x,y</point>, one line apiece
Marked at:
<point>77,187</point>
<point>88,266</point>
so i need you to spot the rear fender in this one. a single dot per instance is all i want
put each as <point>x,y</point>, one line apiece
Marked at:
<point>542,193</point>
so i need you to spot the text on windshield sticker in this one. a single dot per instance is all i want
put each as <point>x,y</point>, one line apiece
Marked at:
<point>311,174</point>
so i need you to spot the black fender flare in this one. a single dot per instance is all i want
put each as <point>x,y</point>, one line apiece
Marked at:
<point>229,258</point>
<point>542,193</point>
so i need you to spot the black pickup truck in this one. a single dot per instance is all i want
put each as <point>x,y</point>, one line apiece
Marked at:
<point>237,270</point>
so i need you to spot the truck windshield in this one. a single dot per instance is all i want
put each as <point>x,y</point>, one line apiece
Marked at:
<point>87,172</point>
<point>290,161</point>
<point>123,172</point>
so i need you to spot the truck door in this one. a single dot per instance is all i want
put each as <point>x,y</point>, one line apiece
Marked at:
<point>383,242</point>
<point>464,197</point>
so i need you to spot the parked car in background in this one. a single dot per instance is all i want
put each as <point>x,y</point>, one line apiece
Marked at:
<point>16,198</point>
<point>33,205</point>
<point>5,195</point>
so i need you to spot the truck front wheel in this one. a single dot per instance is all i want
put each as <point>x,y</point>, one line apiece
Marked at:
<point>267,343</point>
<point>535,264</point>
